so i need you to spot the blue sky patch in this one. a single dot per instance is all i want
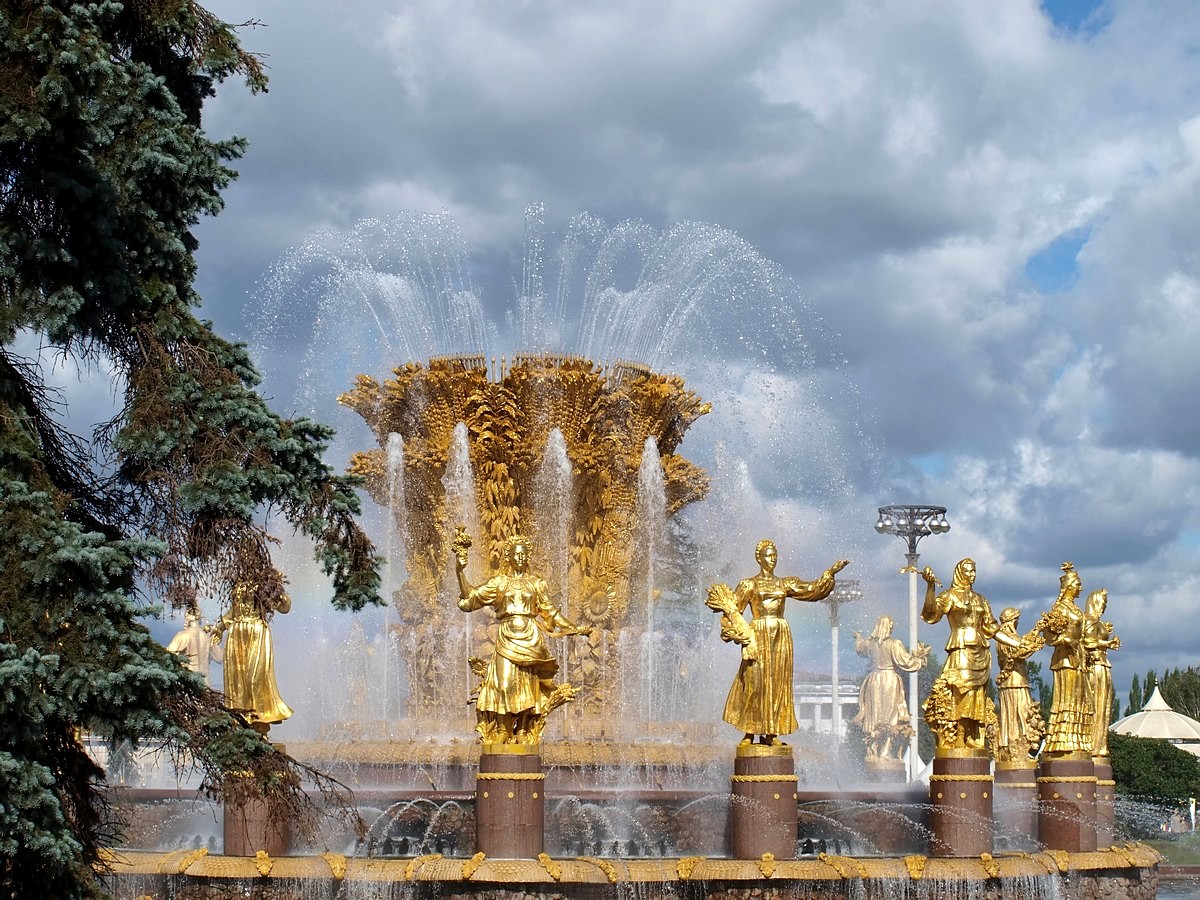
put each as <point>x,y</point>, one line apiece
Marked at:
<point>1086,17</point>
<point>1056,266</point>
<point>1190,539</point>
<point>932,464</point>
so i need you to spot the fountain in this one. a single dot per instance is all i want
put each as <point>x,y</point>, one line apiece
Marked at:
<point>580,450</point>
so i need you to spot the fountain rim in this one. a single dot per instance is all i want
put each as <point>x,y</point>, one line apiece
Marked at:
<point>200,865</point>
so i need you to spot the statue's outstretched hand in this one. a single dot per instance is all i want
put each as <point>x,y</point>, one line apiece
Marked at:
<point>838,566</point>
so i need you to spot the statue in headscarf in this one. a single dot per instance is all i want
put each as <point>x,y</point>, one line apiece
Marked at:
<point>959,710</point>
<point>882,711</point>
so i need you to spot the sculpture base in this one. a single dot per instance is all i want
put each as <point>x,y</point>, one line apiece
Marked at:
<point>1067,802</point>
<point>960,799</point>
<point>510,802</point>
<point>251,825</point>
<point>886,771</point>
<point>1106,796</point>
<point>763,808</point>
<point>1016,806</point>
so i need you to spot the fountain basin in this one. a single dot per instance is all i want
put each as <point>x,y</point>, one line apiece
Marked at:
<point>1129,871</point>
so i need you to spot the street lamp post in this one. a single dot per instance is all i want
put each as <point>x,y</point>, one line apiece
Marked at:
<point>845,592</point>
<point>912,523</point>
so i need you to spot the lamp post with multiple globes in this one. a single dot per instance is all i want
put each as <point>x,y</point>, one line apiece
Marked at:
<point>911,523</point>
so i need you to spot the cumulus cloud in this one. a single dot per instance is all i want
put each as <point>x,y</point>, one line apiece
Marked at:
<point>900,163</point>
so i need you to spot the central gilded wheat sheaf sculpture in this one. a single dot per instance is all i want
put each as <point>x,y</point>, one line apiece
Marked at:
<point>605,415</point>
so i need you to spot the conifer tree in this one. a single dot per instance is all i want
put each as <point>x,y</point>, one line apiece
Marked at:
<point>1135,696</point>
<point>104,171</point>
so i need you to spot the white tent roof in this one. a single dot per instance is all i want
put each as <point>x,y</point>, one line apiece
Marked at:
<point>1158,720</point>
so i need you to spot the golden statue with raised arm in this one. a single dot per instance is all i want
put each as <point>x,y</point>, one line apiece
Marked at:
<point>882,712</point>
<point>1021,725</point>
<point>1072,710</point>
<point>1098,639</point>
<point>760,700</point>
<point>250,653</point>
<point>958,710</point>
<point>517,688</point>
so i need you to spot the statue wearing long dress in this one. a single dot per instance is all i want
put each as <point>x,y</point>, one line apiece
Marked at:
<point>1072,711</point>
<point>1021,726</point>
<point>517,688</point>
<point>250,686</point>
<point>1098,639</point>
<point>194,644</point>
<point>958,709</point>
<point>760,700</point>
<point>882,711</point>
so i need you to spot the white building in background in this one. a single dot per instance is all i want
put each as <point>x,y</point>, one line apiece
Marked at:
<point>814,703</point>
<point>1157,720</point>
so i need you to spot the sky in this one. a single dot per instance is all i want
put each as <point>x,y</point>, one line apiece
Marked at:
<point>984,214</point>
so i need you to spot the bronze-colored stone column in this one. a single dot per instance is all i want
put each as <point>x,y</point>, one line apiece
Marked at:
<point>886,771</point>
<point>960,797</point>
<point>250,826</point>
<point>1067,802</point>
<point>1106,797</point>
<point>510,801</point>
<point>1016,804</point>
<point>763,808</point>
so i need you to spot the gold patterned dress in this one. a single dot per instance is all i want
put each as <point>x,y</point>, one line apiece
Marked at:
<point>1071,711</point>
<point>513,681</point>
<point>1098,639</point>
<point>760,700</point>
<point>1020,719</point>
<point>968,667</point>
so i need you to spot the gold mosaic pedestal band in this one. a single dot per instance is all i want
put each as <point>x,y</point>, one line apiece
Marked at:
<point>510,805</point>
<point>763,815</point>
<point>1067,803</point>
<point>960,799</point>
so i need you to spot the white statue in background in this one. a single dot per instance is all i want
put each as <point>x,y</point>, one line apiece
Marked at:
<point>194,644</point>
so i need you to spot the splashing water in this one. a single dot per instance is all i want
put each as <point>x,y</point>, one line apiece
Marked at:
<point>783,445</point>
<point>552,506</point>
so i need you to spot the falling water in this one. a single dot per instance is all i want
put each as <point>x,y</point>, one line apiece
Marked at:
<point>397,562</point>
<point>461,509</point>
<point>398,520</point>
<point>649,538</point>
<point>783,445</point>
<point>552,505</point>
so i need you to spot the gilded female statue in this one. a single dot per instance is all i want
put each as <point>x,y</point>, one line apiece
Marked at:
<point>760,700</point>
<point>1072,709</point>
<point>958,710</point>
<point>250,654</point>
<point>882,712</point>
<point>1021,725</point>
<point>1098,639</point>
<point>517,688</point>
